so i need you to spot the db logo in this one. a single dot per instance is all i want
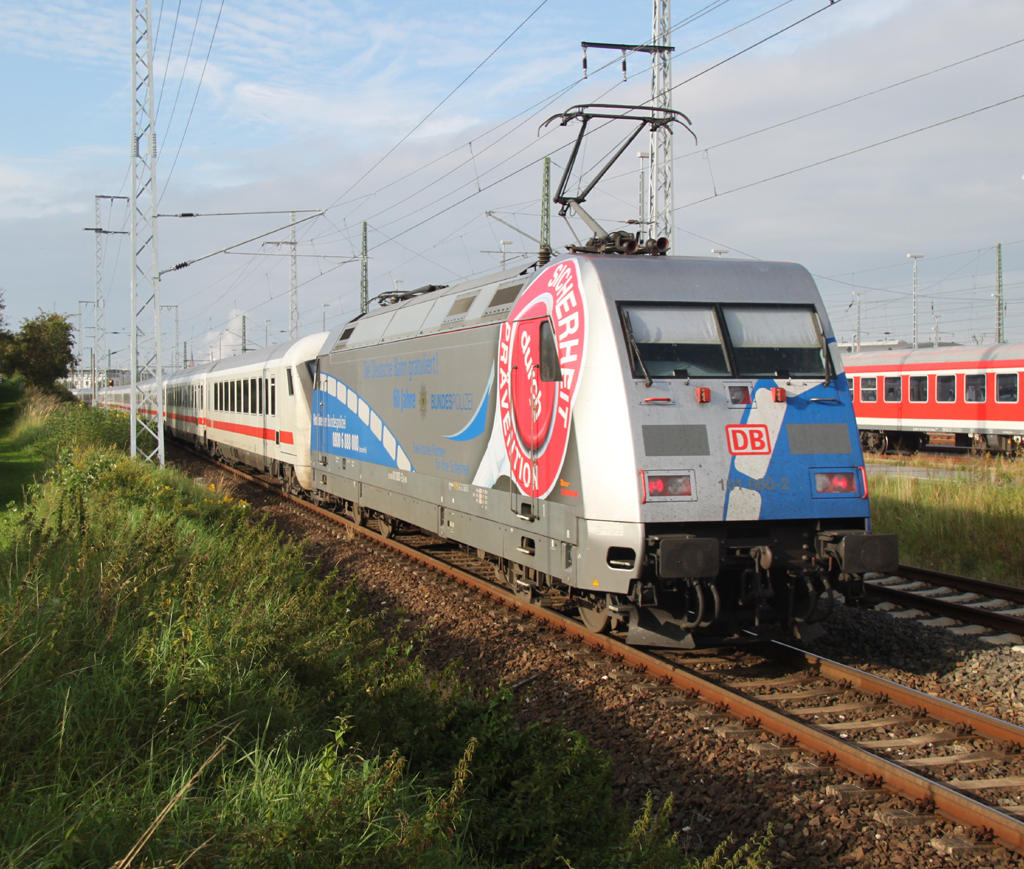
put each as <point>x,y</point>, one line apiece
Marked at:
<point>748,440</point>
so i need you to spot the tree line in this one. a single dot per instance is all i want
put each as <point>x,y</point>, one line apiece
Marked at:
<point>41,351</point>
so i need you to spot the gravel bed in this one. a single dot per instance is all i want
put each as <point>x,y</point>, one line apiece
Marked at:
<point>961,669</point>
<point>658,742</point>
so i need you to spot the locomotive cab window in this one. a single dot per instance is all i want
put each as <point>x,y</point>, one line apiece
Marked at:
<point>918,389</point>
<point>974,388</point>
<point>684,341</point>
<point>869,389</point>
<point>550,370</point>
<point>945,388</point>
<point>1006,388</point>
<point>893,388</point>
<point>674,341</point>
<point>775,341</point>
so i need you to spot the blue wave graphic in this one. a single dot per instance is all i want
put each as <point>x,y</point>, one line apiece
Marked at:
<point>475,427</point>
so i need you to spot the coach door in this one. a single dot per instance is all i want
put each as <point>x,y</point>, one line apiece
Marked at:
<point>263,406</point>
<point>534,385</point>
<point>319,429</point>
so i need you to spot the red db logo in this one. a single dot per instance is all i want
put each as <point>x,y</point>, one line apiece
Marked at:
<point>748,440</point>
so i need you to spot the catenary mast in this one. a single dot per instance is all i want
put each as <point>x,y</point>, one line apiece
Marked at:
<point>660,205</point>
<point>147,407</point>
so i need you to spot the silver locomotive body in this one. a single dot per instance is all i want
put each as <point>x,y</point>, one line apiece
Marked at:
<point>669,441</point>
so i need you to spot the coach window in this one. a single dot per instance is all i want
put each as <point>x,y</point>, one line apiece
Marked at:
<point>893,388</point>
<point>1006,388</point>
<point>945,387</point>
<point>273,396</point>
<point>974,388</point>
<point>918,388</point>
<point>291,389</point>
<point>260,391</point>
<point>869,389</point>
<point>245,396</point>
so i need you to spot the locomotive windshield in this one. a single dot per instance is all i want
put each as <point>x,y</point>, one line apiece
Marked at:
<point>672,341</point>
<point>676,342</point>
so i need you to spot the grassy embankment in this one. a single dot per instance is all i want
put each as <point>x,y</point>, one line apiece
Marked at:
<point>20,463</point>
<point>972,524</point>
<point>178,688</point>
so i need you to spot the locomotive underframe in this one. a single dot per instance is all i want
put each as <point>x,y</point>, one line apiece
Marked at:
<point>673,583</point>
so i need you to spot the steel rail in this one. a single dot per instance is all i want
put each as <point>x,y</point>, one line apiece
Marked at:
<point>943,710</point>
<point>964,583</point>
<point>972,614</point>
<point>949,803</point>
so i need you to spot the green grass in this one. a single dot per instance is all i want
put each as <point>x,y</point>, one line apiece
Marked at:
<point>20,463</point>
<point>969,525</point>
<point>177,684</point>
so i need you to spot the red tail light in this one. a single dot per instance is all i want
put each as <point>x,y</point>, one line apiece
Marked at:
<point>836,483</point>
<point>669,486</point>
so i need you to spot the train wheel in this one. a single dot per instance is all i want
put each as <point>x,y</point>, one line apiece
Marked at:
<point>384,526</point>
<point>593,610</point>
<point>876,442</point>
<point>291,483</point>
<point>514,576</point>
<point>358,515</point>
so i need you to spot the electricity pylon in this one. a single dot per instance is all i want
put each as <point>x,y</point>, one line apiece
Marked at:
<point>660,203</point>
<point>147,406</point>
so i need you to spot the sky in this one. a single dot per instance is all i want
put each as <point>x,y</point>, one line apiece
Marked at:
<point>843,136</point>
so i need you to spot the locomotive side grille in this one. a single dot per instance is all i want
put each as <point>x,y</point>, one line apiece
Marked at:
<point>677,440</point>
<point>814,438</point>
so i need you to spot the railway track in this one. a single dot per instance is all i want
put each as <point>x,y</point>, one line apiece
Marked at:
<point>954,599</point>
<point>948,761</point>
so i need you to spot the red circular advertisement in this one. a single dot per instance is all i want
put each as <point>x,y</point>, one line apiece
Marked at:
<point>536,414</point>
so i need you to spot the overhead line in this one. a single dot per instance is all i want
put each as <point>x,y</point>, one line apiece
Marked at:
<point>199,86</point>
<point>850,153</point>
<point>438,106</point>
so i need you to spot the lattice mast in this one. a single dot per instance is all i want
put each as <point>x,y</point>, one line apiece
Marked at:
<point>99,308</point>
<point>660,203</point>
<point>364,276</point>
<point>293,282</point>
<point>1000,305</point>
<point>147,406</point>
<point>545,214</point>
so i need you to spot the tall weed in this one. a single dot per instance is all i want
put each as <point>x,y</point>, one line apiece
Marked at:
<point>968,524</point>
<point>176,682</point>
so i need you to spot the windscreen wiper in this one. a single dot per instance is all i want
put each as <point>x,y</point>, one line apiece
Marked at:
<point>635,347</point>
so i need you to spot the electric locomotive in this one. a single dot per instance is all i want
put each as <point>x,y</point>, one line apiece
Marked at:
<point>668,441</point>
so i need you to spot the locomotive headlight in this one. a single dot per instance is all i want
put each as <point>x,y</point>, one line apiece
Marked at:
<point>669,486</point>
<point>836,483</point>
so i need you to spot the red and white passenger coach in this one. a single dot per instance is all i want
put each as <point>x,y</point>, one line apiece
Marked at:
<point>958,396</point>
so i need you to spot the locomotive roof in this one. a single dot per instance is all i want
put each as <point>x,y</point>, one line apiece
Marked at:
<point>969,354</point>
<point>489,298</point>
